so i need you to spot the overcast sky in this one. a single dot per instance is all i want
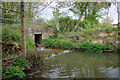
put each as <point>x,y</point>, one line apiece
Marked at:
<point>47,13</point>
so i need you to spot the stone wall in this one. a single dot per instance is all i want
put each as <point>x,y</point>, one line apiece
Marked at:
<point>30,31</point>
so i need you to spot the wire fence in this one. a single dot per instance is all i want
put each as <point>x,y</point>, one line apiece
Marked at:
<point>13,21</point>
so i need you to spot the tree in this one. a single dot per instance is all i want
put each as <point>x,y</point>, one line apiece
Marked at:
<point>118,7</point>
<point>23,31</point>
<point>106,22</point>
<point>57,14</point>
<point>79,8</point>
<point>87,10</point>
<point>67,24</point>
<point>10,10</point>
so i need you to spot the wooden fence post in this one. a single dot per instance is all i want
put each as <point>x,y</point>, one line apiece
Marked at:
<point>23,30</point>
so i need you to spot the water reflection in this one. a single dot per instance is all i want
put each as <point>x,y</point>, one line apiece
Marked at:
<point>81,65</point>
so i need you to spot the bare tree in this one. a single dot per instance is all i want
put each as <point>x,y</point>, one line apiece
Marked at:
<point>23,30</point>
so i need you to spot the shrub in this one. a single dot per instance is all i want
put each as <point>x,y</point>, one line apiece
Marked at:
<point>14,72</point>
<point>66,44</point>
<point>87,46</point>
<point>11,33</point>
<point>16,37</point>
<point>57,43</point>
<point>22,62</point>
<point>12,36</point>
<point>73,46</point>
<point>97,47</point>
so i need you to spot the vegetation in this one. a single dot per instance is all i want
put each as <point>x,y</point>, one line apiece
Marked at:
<point>75,34</point>
<point>12,35</point>
<point>22,63</point>
<point>66,44</point>
<point>15,70</point>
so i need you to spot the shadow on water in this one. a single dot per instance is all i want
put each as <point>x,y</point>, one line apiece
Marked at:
<point>78,65</point>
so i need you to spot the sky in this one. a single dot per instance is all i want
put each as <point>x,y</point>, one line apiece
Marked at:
<point>47,14</point>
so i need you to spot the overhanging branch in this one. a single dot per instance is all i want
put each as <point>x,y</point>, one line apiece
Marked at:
<point>8,9</point>
<point>45,7</point>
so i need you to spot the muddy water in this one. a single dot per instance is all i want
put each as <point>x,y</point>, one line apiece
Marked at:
<point>80,65</point>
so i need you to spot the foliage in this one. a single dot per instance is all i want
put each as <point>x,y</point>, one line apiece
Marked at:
<point>106,22</point>
<point>8,14</point>
<point>30,45</point>
<point>55,34</point>
<point>22,62</point>
<point>89,10</point>
<point>13,33</point>
<point>97,47</point>
<point>57,43</point>
<point>31,11</point>
<point>66,44</point>
<point>67,24</point>
<point>10,33</point>
<point>87,24</point>
<point>14,72</point>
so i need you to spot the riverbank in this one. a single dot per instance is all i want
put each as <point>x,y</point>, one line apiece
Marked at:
<point>86,46</point>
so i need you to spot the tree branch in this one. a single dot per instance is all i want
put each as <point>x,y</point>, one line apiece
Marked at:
<point>45,7</point>
<point>8,9</point>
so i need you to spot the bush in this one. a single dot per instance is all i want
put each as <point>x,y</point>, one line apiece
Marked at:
<point>14,72</point>
<point>98,47</point>
<point>89,46</point>
<point>11,33</point>
<point>16,37</point>
<point>57,43</point>
<point>22,62</point>
<point>66,44</point>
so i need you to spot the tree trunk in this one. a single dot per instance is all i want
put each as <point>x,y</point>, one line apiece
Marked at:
<point>118,7</point>
<point>78,22</point>
<point>118,14</point>
<point>23,30</point>
<point>57,26</point>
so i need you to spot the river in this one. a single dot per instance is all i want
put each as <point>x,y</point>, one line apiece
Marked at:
<point>80,65</point>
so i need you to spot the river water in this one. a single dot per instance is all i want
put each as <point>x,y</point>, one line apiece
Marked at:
<point>80,65</point>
